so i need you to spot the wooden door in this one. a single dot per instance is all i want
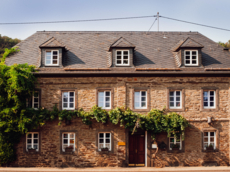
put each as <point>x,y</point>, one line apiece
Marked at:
<point>137,149</point>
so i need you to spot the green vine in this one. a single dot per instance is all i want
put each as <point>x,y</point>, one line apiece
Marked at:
<point>17,83</point>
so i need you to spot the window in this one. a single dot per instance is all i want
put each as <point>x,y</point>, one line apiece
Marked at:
<point>173,140</point>
<point>104,141</point>
<point>209,139</point>
<point>32,141</point>
<point>191,58</point>
<point>68,141</point>
<point>52,57</point>
<point>68,100</point>
<point>35,100</point>
<point>175,99</point>
<point>122,57</point>
<point>209,99</point>
<point>104,99</point>
<point>140,100</point>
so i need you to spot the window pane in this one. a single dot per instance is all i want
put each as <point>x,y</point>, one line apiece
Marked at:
<point>193,52</point>
<point>101,94</point>
<point>205,139</point>
<point>187,52</point>
<point>65,135</point>
<point>101,140</point>
<point>143,104</point>
<point>54,61</point>
<point>71,99</point>
<point>29,136</point>
<point>194,62</point>
<point>118,52</point>
<point>65,105</point>
<point>211,133</point>
<point>48,53</point>
<point>101,135</point>
<point>35,135</point>
<point>205,104</point>
<point>107,141</point>
<point>171,99</point>
<point>171,104</point>
<point>171,93</point>
<point>35,100</point>
<point>125,52</point>
<point>71,105</point>
<point>29,146</point>
<point>28,140</point>
<point>143,93</point>
<point>107,99</point>
<point>107,134</point>
<point>205,94</point>
<point>48,62</point>
<point>54,52</point>
<point>177,104</point>
<point>100,104</point>
<point>107,93</point>
<point>71,94</point>
<point>55,58</point>
<point>137,96</point>
<point>211,104</point>
<point>212,139</point>
<point>65,94</point>
<point>187,58</point>
<point>35,140</point>
<point>205,133</point>
<point>125,62</point>
<point>118,61</point>
<point>35,147</point>
<point>71,141</point>
<point>193,57</point>
<point>65,141</point>
<point>172,140</point>
<point>35,105</point>
<point>211,92</point>
<point>205,99</point>
<point>137,104</point>
<point>178,93</point>
<point>107,104</point>
<point>187,61</point>
<point>211,98</point>
<point>65,100</point>
<point>126,57</point>
<point>35,94</point>
<point>71,135</point>
<point>177,98</point>
<point>118,57</point>
<point>143,99</point>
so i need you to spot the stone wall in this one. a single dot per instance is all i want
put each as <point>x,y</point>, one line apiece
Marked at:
<point>86,138</point>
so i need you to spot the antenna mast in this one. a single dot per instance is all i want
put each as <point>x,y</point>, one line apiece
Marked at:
<point>158,20</point>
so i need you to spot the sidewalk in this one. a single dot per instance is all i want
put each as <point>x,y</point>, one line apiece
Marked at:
<point>118,169</point>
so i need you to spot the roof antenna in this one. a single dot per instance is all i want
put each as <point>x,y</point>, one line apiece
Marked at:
<point>158,20</point>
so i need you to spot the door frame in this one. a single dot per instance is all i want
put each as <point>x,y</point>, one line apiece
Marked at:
<point>147,146</point>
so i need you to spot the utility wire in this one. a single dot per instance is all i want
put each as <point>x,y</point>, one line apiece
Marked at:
<point>152,24</point>
<point>71,21</point>
<point>195,23</point>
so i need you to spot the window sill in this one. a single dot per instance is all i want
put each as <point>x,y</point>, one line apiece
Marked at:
<point>175,151</point>
<point>208,151</point>
<point>68,153</point>
<point>141,110</point>
<point>209,110</point>
<point>175,110</point>
<point>37,152</point>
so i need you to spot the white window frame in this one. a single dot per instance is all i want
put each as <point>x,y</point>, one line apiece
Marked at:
<point>68,144</point>
<point>33,100</point>
<point>174,137</point>
<point>32,140</point>
<point>52,58</point>
<point>122,58</point>
<point>68,102</point>
<point>209,138</point>
<point>191,58</point>
<point>140,101</point>
<point>174,99</point>
<point>104,99</point>
<point>214,100</point>
<point>104,138</point>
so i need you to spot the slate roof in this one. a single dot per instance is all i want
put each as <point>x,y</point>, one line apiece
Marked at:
<point>90,50</point>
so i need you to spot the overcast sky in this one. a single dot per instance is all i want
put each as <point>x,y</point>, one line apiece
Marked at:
<point>209,12</point>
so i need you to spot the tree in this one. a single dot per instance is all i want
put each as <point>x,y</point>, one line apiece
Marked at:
<point>7,42</point>
<point>226,45</point>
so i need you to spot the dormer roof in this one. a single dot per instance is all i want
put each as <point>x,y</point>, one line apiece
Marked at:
<point>187,43</point>
<point>122,43</point>
<point>52,42</point>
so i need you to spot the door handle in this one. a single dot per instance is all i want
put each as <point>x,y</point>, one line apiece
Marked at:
<point>136,150</point>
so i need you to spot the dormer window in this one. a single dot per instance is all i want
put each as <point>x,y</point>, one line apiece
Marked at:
<point>122,57</point>
<point>51,58</point>
<point>191,58</point>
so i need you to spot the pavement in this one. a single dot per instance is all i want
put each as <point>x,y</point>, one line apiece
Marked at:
<point>118,169</point>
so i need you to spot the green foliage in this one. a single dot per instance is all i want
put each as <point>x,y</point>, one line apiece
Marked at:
<point>17,82</point>
<point>226,45</point>
<point>6,42</point>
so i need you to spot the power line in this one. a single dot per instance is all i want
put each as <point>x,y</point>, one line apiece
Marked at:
<point>71,21</point>
<point>152,24</point>
<point>195,23</point>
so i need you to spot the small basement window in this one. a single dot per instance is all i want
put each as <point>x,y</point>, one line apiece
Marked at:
<point>52,57</point>
<point>122,57</point>
<point>191,58</point>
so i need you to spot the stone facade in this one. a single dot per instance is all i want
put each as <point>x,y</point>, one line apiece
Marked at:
<point>86,153</point>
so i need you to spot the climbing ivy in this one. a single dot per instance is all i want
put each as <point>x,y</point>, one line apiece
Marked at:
<point>17,82</point>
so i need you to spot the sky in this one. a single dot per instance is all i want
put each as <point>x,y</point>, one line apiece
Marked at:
<point>209,12</point>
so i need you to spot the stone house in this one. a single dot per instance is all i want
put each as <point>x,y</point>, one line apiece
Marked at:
<point>185,72</point>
